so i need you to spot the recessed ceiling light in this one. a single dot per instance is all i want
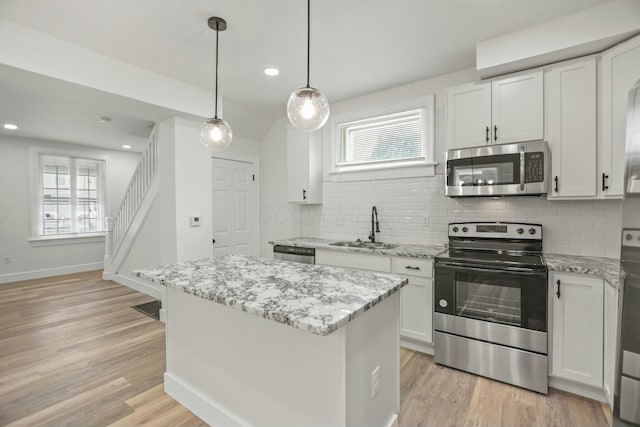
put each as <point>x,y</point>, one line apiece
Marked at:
<point>105,119</point>
<point>10,126</point>
<point>126,146</point>
<point>271,72</point>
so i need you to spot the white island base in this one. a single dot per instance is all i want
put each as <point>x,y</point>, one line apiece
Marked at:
<point>232,368</point>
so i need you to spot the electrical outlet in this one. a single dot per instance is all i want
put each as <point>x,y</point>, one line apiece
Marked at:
<point>7,260</point>
<point>375,381</point>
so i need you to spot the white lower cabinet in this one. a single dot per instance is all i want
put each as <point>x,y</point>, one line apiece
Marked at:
<point>578,323</point>
<point>416,310</point>
<point>375,263</point>
<point>610,340</point>
<point>416,298</point>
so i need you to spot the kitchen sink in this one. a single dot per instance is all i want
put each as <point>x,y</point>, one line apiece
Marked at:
<point>368,245</point>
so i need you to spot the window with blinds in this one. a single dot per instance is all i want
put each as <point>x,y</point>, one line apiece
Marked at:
<point>71,196</point>
<point>389,139</point>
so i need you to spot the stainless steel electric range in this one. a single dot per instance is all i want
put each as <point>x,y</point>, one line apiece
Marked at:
<point>490,297</point>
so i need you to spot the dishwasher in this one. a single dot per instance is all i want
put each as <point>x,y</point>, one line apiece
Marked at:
<point>294,254</point>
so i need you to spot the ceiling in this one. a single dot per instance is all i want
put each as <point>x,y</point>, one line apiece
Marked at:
<point>47,108</point>
<point>358,46</point>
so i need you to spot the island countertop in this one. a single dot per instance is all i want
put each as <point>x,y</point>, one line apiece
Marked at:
<point>313,298</point>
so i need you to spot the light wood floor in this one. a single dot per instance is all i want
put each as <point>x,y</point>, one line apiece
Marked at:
<point>73,353</point>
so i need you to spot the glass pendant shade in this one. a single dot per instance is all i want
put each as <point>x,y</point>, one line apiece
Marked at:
<point>308,109</point>
<point>215,134</point>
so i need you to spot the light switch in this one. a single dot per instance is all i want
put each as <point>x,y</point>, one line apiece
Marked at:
<point>194,221</point>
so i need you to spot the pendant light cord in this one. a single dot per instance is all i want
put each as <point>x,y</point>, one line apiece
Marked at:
<point>308,39</point>
<point>215,115</point>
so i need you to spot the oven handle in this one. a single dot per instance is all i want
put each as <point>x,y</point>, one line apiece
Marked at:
<point>513,270</point>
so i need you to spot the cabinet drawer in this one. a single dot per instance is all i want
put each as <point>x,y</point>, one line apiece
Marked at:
<point>412,266</point>
<point>354,260</point>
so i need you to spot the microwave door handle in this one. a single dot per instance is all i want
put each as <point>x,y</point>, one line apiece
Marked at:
<point>521,168</point>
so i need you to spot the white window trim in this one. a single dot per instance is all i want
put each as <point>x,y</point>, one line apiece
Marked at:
<point>35,182</point>
<point>391,169</point>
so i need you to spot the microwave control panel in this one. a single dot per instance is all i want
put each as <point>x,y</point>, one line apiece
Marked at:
<point>534,167</point>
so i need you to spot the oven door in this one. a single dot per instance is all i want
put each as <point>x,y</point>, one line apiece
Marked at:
<point>503,305</point>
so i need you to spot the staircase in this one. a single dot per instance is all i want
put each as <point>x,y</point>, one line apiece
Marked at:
<point>123,229</point>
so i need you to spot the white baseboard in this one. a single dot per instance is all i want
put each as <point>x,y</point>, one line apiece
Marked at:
<point>579,389</point>
<point>136,284</point>
<point>203,407</point>
<point>49,272</point>
<point>416,345</point>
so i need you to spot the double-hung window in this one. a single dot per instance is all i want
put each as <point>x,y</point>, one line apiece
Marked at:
<point>387,137</point>
<point>71,196</point>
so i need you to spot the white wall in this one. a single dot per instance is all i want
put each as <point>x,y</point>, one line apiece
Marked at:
<point>415,210</point>
<point>15,211</point>
<point>185,190</point>
<point>278,218</point>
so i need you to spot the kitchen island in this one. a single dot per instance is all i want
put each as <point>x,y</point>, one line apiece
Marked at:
<point>258,342</point>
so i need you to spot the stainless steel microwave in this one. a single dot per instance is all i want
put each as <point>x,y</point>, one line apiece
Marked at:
<point>517,169</point>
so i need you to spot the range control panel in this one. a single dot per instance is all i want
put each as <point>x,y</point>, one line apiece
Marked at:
<point>631,237</point>
<point>496,230</point>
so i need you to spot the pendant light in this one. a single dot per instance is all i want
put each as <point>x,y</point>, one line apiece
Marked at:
<point>308,108</point>
<point>215,133</point>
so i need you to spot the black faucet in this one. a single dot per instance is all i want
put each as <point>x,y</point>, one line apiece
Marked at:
<point>376,229</point>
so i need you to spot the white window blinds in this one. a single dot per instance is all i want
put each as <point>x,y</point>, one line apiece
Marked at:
<point>71,195</point>
<point>394,138</point>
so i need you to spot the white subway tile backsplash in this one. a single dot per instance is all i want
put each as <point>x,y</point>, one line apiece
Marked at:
<point>415,210</point>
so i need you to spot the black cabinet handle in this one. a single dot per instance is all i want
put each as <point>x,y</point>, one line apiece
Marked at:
<point>604,181</point>
<point>558,291</point>
<point>556,181</point>
<point>213,241</point>
<point>487,134</point>
<point>495,133</point>
<point>304,194</point>
<point>411,268</point>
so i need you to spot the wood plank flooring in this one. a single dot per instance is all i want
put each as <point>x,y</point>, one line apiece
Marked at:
<point>74,353</point>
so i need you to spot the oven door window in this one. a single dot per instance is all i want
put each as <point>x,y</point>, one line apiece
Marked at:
<point>502,169</point>
<point>502,297</point>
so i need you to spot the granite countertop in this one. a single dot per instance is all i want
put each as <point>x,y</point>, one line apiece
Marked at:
<point>314,298</point>
<point>414,251</point>
<point>607,268</point>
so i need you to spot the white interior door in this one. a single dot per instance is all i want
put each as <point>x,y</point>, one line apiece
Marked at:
<point>234,208</point>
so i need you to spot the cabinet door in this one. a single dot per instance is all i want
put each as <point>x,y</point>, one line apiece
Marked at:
<point>297,165</point>
<point>577,328</point>
<point>620,70</point>
<point>416,309</point>
<point>571,129</point>
<point>468,115</point>
<point>610,340</point>
<point>517,108</point>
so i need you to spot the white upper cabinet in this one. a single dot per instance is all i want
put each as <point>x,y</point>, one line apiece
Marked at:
<point>468,115</point>
<point>304,166</point>
<point>619,71</point>
<point>570,110</point>
<point>496,112</point>
<point>517,108</point>
<point>578,323</point>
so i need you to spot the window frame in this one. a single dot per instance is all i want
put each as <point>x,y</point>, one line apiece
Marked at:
<point>36,190</point>
<point>386,169</point>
